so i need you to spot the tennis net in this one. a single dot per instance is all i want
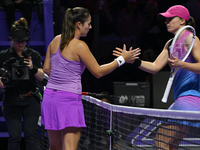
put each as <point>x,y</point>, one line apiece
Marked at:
<point>130,128</point>
<point>115,127</point>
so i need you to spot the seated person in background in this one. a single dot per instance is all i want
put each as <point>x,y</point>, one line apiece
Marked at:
<point>106,98</point>
<point>24,5</point>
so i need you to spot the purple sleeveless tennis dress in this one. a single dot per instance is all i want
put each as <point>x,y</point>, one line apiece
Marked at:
<point>62,103</point>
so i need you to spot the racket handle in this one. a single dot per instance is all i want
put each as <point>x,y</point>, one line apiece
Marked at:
<point>85,93</point>
<point>167,89</point>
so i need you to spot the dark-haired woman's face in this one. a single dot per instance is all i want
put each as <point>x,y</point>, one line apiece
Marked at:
<point>86,27</point>
<point>173,24</point>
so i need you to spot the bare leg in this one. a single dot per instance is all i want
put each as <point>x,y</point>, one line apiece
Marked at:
<point>55,141</point>
<point>70,138</point>
<point>180,136</point>
<point>169,137</point>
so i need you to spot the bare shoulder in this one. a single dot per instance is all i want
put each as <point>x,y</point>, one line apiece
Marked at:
<point>168,43</point>
<point>56,39</point>
<point>58,36</point>
<point>196,37</point>
<point>55,42</point>
<point>196,43</point>
<point>80,45</point>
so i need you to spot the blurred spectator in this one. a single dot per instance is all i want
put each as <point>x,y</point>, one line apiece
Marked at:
<point>116,5</point>
<point>128,24</point>
<point>72,3</point>
<point>91,5</point>
<point>101,9</point>
<point>106,98</point>
<point>10,5</point>
<point>194,7</point>
<point>105,18</point>
<point>177,2</point>
<point>150,38</point>
<point>141,5</point>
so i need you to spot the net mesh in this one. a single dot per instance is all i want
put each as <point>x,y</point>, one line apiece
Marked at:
<point>130,128</point>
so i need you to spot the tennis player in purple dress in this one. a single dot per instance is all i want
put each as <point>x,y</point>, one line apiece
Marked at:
<point>66,58</point>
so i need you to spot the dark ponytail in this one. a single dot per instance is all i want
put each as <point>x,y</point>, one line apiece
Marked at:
<point>72,16</point>
<point>191,22</point>
<point>68,29</point>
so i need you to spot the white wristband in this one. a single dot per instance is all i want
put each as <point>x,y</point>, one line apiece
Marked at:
<point>120,60</point>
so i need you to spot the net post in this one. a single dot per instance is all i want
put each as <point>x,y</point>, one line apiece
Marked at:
<point>111,110</point>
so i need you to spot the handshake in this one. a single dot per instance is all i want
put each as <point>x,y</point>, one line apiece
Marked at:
<point>131,56</point>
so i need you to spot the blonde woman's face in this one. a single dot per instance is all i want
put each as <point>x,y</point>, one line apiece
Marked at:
<point>84,29</point>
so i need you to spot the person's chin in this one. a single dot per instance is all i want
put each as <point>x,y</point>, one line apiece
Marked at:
<point>170,31</point>
<point>84,35</point>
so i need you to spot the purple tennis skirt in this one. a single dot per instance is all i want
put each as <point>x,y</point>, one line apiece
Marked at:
<point>187,103</point>
<point>61,109</point>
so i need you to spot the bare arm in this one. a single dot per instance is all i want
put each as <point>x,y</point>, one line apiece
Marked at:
<point>151,67</point>
<point>40,74</point>
<point>47,64</point>
<point>1,84</point>
<point>157,65</point>
<point>52,48</point>
<point>98,71</point>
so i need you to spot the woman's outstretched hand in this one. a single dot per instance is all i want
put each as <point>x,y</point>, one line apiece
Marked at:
<point>129,56</point>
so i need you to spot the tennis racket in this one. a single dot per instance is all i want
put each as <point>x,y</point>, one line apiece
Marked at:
<point>184,39</point>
